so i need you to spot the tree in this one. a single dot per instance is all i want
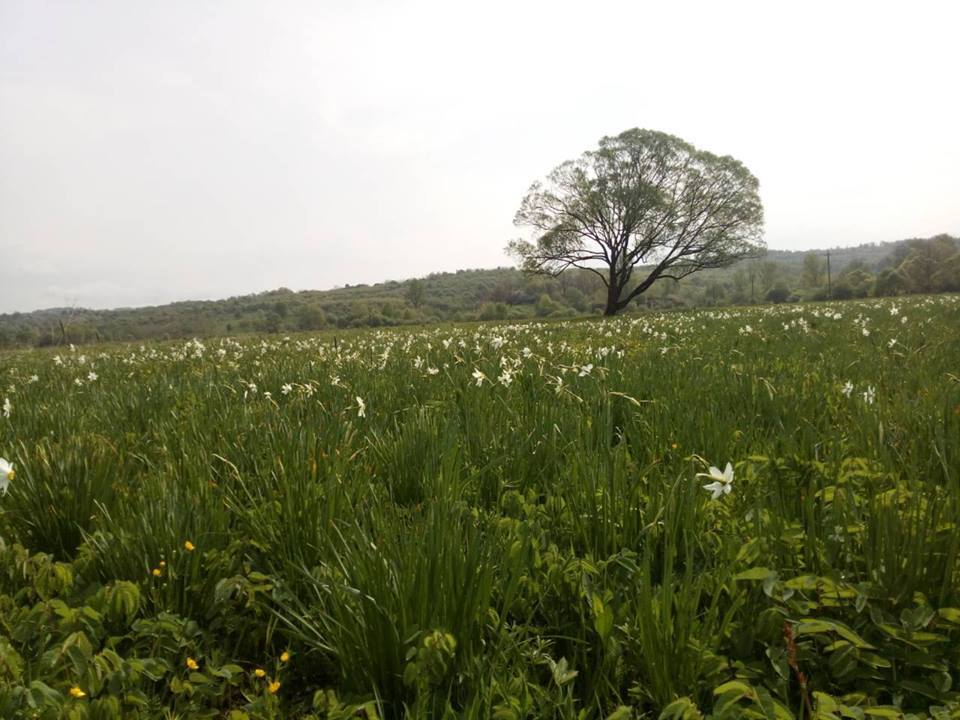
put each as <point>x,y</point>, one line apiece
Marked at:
<point>778,294</point>
<point>415,293</point>
<point>889,282</point>
<point>925,259</point>
<point>311,317</point>
<point>769,274</point>
<point>813,270</point>
<point>643,206</point>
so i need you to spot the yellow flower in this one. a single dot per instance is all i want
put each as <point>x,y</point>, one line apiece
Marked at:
<point>77,692</point>
<point>189,546</point>
<point>673,446</point>
<point>192,664</point>
<point>260,672</point>
<point>157,572</point>
<point>285,657</point>
<point>163,563</point>
<point>273,687</point>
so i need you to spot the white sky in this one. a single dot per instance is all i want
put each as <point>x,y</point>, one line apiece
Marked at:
<point>156,151</point>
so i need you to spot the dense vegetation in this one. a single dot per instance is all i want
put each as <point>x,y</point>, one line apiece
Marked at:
<point>888,269</point>
<point>502,521</point>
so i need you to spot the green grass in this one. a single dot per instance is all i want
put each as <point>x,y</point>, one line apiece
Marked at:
<point>535,544</point>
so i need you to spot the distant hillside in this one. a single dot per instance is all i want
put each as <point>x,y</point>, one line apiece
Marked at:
<point>500,293</point>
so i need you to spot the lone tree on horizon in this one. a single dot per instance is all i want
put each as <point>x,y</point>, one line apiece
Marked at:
<point>644,205</point>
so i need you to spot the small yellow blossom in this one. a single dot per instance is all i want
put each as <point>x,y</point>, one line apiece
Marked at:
<point>260,672</point>
<point>192,664</point>
<point>157,572</point>
<point>77,692</point>
<point>189,546</point>
<point>273,687</point>
<point>285,657</point>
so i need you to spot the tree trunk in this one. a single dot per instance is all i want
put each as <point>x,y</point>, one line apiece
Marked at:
<point>613,301</point>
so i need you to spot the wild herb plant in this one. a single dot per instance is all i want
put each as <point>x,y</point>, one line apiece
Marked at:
<point>510,521</point>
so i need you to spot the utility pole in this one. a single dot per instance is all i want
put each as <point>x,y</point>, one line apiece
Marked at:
<point>829,281</point>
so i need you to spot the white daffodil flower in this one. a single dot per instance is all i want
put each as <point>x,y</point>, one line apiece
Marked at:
<point>722,481</point>
<point>6,475</point>
<point>361,407</point>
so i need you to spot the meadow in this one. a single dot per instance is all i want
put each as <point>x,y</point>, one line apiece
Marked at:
<point>504,521</point>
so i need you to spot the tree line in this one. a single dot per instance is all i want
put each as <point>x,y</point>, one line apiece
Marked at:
<point>907,266</point>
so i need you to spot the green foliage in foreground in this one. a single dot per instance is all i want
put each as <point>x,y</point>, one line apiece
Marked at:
<point>498,521</point>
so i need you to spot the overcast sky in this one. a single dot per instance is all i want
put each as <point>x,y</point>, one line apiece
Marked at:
<point>156,151</point>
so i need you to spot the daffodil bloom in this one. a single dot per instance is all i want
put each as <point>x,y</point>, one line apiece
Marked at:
<point>192,664</point>
<point>77,692</point>
<point>6,475</point>
<point>722,481</point>
<point>361,407</point>
<point>189,546</point>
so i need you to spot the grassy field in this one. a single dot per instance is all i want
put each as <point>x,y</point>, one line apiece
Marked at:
<point>497,521</point>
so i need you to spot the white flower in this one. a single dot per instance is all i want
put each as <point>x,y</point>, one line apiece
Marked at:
<point>479,377</point>
<point>505,378</point>
<point>847,388</point>
<point>893,341</point>
<point>866,332</point>
<point>585,369</point>
<point>361,407</point>
<point>7,407</point>
<point>6,475</point>
<point>91,376</point>
<point>722,481</point>
<point>286,388</point>
<point>432,371</point>
<point>869,395</point>
<point>33,378</point>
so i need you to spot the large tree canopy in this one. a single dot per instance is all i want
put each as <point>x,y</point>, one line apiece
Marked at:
<point>645,205</point>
